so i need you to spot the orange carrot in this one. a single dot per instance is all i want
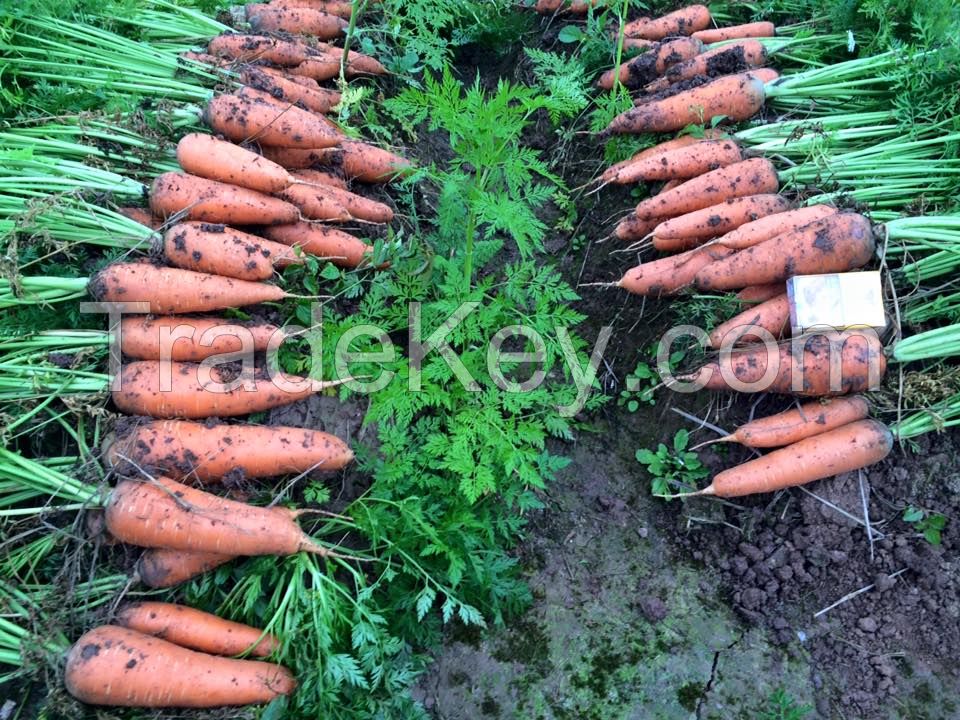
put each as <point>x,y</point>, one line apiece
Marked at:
<point>734,32</point>
<point>186,390</point>
<point>340,9</point>
<point>685,21</point>
<point>243,119</point>
<point>737,97</point>
<point>683,163</point>
<point>648,66</point>
<point>356,160</point>
<point>170,290</point>
<point>761,293</point>
<point>119,667</point>
<point>208,453</point>
<point>670,274</point>
<point>614,172</point>
<point>316,203</point>
<point>295,20</point>
<point>320,177</point>
<point>756,232</point>
<point>205,200</point>
<point>142,216</point>
<point>574,7</point>
<point>219,250</point>
<point>340,248</point>
<point>207,157</point>
<point>162,513</point>
<point>290,89</point>
<point>633,228</point>
<point>737,57</point>
<point>836,243</point>
<point>861,367</point>
<point>844,449</point>
<point>796,424</point>
<point>686,231</point>
<point>248,48</point>
<point>638,43</point>
<point>195,629</point>
<point>192,339</point>
<point>165,568</point>
<point>757,176</point>
<point>357,63</point>
<point>317,198</point>
<point>319,68</point>
<point>772,316</point>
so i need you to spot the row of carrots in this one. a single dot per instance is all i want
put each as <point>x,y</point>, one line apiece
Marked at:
<point>723,226</point>
<point>279,169</point>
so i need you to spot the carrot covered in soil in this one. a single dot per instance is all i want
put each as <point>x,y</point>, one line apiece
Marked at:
<point>796,424</point>
<point>116,666</point>
<point>320,177</point>
<point>170,291</point>
<point>197,198</point>
<point>844,449</point>
<point>327,202</point>
<point>195,629</point>
<point>253,119</point>
<point>647,67</point>
<point>290,89</point>
<point>737,97</point>
<point>162,513</point>
<point>860,360</point>
<point>756,176</point>
<point>219,250</point>
<point>342,9</point>
<point>685,231</point>
<point>208,453</point>
<point>684,21</point>
<point>251,48</point>
<point>772,315</point>
<point>737,57</point>
<point>761,293</point>
<point>207,157</point>
<point>756,232</point>
<point>340,248</point>
<point>150,337</point>
<point>357,160</point>
<point>736,32</point>
<point>670,274</point>
<point>682,163</point>
<point>166,568</point>
<point>618,173</point>
<point>187,390</point>
<point>295,20</point>
<point>836,243</point>
<point>632,228</point>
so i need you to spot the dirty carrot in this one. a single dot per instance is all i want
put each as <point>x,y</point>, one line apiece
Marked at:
<point>761,293</point>
<point>682,163</point>
<point>291,89</point>
<point>357,206</point>
<point>201,451</point>
<point>735,32</point>
<point>165,568</point>
<point>207,157</point>
<point>356,160</point>
<point>253,119</point>
<point>670,274</point>
<point>115,666</point>
<point>198,198</point>
<point>614,173</point>
<point>772,315</point>
<point>220,250</point>
<point>758,231</point>
<point>195,629</point>
<point>295,20</point>
<point>648,66</point>
<point>192,339</point>
<point>737,57</point>
<point>171,290</point>
<point>320,177</point>
<point>340,248</point>
<point>250,48</point>
<point>691,229</point>
<point>684,21</point>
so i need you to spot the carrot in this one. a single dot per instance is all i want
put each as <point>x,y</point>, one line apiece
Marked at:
<point>195,629</point>
<point>792,426</point>
<point>844,449</point>
<point>756,176</point>
<point>320,177</point>
<point>686,231</point>
<point>198,198</point>
<point>737,97</point>
<point>142,216</point>
<point>319,196</point>
<point>574,7</point>
<point>836,243</point>
<point>186,390</point>
<point>318,68</point>
<point>162,513</point>
<point>295,20</point>
<point>282,107</point>
<point>638,43</point>
<point>145,337</point>
<point>670,185</point>
<point>357,63</point>
<point>860,359</point>
<point>164,568</point>
<point>756,232</point>
<point>670,274</point>
<point>115,666</point>
<point>316,203</point>
<point>206,59</point>
<point>737,57</point>
<point>206,156</point>
<point>684,21</point>
<point>772,316</point>
<point>290,89</point>
<point>734,32</point>
<point>208,452</point>
<point>632,228</point>
<point>340,9</point>
<point>219,250</point>
<point>683,163</point>
<point>356,160</point>
<point>243,119</point>
<point>648,66</point>
<point>170,290</point>
<point>761,293</point>
<point>340,248</point>
<point>615,172</point>
<point>248,48</point>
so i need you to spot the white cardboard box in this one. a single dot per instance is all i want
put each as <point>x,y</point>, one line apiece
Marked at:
<point>844,301</point>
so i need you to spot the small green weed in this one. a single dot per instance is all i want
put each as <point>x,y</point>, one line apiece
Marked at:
<point>673,468</point>
<point>928,524</point>
<point>780,706</point>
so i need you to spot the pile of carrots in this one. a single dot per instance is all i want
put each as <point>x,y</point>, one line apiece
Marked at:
<point>722,225</point>
<point>271,184</point>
